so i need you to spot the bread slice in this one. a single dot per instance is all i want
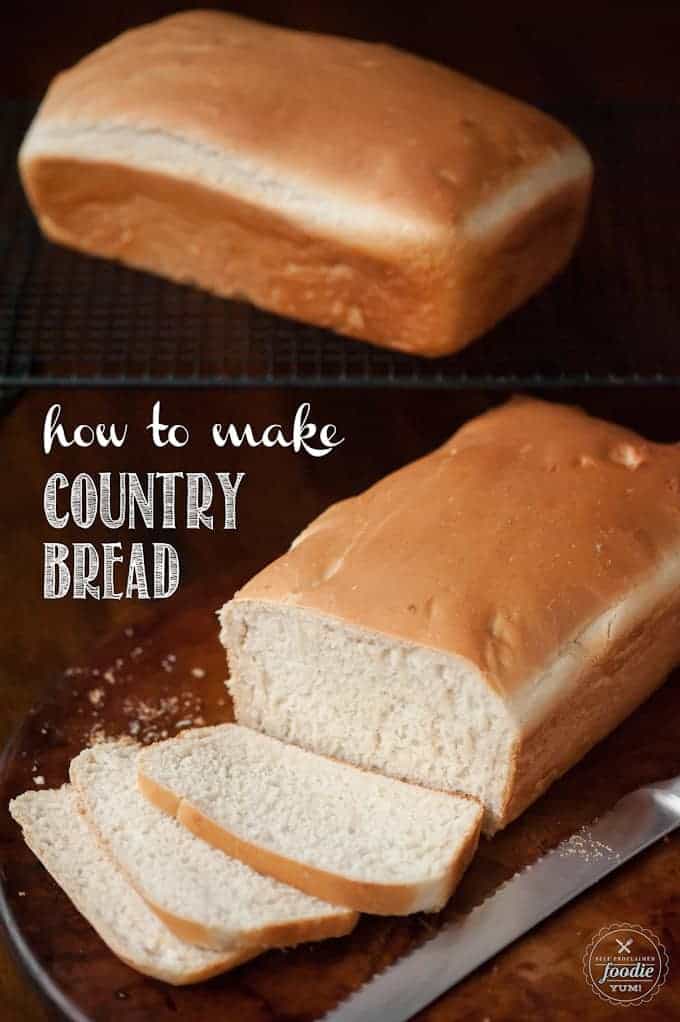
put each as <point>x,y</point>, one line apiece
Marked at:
<point>334,181</point>
<point>355,838</point>
<point>55,830</point>
<point>476,621</point>
<point>201,894</point>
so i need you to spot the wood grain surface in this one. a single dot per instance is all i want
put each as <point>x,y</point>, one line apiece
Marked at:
<point>60,653</point>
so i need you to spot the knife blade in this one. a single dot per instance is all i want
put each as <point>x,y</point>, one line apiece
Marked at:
<point>414,981</point>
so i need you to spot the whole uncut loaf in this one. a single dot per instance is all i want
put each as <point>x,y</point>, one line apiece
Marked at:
<point>478,620</point>
<point>339,182</point>
<point>55,830</point>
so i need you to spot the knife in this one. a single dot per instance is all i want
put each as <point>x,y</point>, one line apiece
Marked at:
<point>404,988</point>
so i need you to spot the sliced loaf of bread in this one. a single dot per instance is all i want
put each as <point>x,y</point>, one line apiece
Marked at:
<point>201,894</point>
<point>334,831</point>
<point>478,620</point>
<point>55,830</point>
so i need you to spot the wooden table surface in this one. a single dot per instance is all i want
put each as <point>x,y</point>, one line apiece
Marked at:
<point>556,55</point>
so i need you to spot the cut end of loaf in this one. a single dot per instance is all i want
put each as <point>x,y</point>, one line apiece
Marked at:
<point>409,712</point>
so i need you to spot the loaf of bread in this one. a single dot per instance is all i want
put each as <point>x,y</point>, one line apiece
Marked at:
<point>348,836</point>
<point>337,182</point>
<point>479,619</point>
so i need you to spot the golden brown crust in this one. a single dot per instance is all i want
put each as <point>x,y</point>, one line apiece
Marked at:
<point>195,235</point>
<point>425,141</point>
<point>382,899</point>
<point>608,691</point>
<point>278,935</point>
<point>310,122</point>
<point>521,255</point>
<point>499,547</point>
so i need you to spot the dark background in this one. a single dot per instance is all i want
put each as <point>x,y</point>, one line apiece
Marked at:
<point>558,56</point>
<point>561,53</point>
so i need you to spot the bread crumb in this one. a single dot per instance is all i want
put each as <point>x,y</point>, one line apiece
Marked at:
<point>39,780</point>
<point>197,672</point>
<point>96,695</point>
<point>21,894</point>
<point>96,735</point>
<point>586,847</point>
<point>146,712</point>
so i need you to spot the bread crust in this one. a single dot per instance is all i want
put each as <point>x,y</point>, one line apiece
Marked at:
<point>281,935</point>
<point>377,899</point>
<point>539,545</point>
<point>500,547</point>
<point>294,178</point>
<point>608,692</point>
<point>196,235</point>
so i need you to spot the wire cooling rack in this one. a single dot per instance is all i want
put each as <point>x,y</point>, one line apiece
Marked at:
<point>612,317</point>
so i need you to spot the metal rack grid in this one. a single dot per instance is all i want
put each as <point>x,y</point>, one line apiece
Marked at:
<point>66,319</point>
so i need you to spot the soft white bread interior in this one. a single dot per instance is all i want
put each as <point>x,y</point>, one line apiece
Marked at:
<point>350,836</point>
<point>476,621</point>
<point>54,829</point>
<point>203,895</point>
<point>339,182</point>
